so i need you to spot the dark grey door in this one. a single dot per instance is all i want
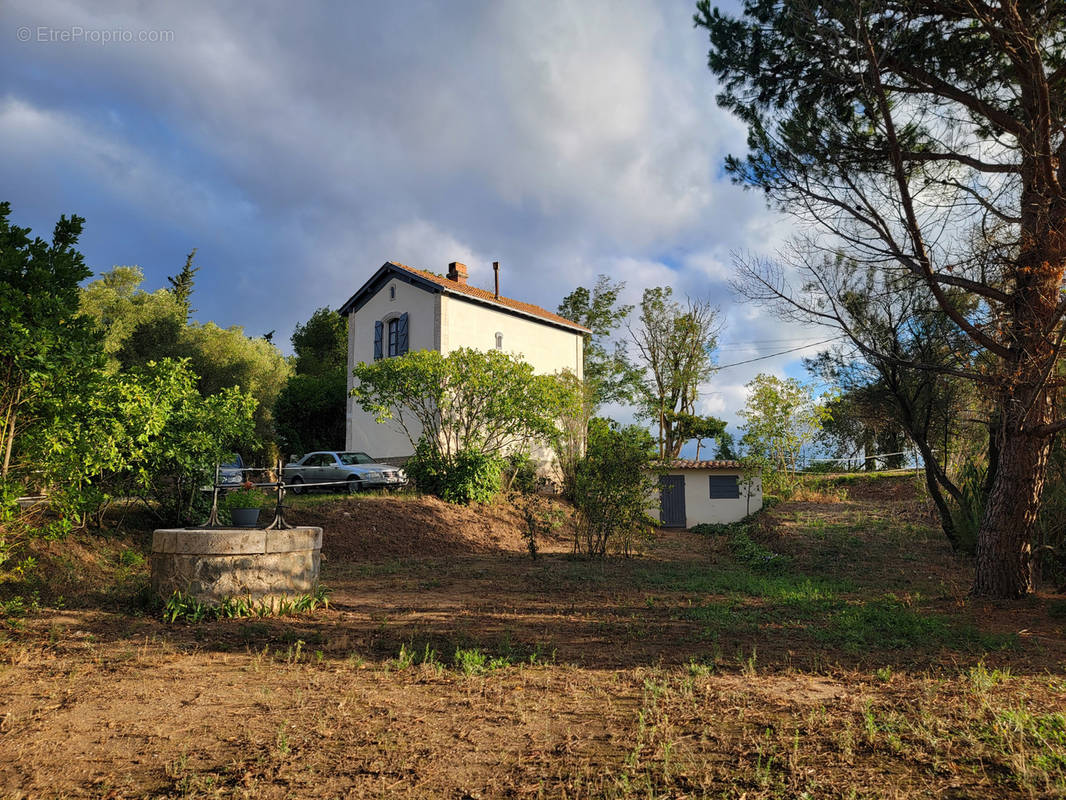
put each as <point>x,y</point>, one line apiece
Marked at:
<point>672,501</point>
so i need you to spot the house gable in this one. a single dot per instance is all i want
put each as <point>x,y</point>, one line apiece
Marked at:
<point>471,294</point>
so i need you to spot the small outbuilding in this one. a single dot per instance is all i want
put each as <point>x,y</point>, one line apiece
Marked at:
<point>693,492</point>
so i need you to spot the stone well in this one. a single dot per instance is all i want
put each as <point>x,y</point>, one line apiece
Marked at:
<point>212,564</point>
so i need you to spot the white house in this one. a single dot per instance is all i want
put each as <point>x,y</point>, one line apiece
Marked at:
<point>692,492</point>
<point>402,308</point>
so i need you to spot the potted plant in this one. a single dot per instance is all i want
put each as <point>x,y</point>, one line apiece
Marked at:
<point>244,504</point>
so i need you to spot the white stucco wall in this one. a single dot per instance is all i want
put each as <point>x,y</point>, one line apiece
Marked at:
<point>423,313</point>
<point>699,507</point>
<point>445,323</point>
<point>546,348</point>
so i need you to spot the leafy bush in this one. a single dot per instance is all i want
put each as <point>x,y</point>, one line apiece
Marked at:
<point>468,409</point>
<point>712,528</point>
<point>753,555</point>
<point>614,487</point>
<point>465,477</point>
<point>522,473</point>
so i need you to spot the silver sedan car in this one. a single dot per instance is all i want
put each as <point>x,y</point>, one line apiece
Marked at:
<point>333,469</point>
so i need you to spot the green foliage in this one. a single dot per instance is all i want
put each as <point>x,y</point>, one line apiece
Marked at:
<point>969,509</point>
<point>141,327</point>
<point>753,555</point>
<point>607,370</point>
<point>244,498</point>
<point>521,472</point>
<point>183,607</point>
<point>134,323</point>
<point>674,345</point>
<point>147,432</point>
<point>614,487</point>
<point>224,358</point>
<point>780,419</point>
<point>692,426</point>
<point>321,343</point>
<point>712,528</point>
<point>465,476</point>
<point>182,283</point>
<point>310,412</point>
<point>45,345</point>
<point>476,662</point>
<point>462,412</point>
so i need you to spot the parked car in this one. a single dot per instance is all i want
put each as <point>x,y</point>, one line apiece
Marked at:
<point>353,471</point>
<point>231,471</point>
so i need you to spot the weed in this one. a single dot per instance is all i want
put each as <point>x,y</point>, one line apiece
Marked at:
<point>476,662</point>
<point>982,679</point>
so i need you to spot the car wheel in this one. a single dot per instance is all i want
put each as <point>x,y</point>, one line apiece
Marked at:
<point>354,485</point>
<point>297,485</point>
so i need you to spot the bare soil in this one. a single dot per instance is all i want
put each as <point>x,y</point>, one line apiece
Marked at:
<point>452,665</point>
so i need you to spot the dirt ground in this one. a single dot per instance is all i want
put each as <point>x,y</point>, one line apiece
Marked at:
<point>452,665</point>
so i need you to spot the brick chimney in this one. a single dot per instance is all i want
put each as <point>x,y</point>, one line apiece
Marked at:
<point>457,272</point>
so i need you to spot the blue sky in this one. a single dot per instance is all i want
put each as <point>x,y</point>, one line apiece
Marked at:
<point>299,146</point>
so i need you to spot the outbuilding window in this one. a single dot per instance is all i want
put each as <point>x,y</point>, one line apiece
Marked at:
<point>724,487</point>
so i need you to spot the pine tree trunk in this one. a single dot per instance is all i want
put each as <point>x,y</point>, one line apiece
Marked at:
<point>1004,564</point>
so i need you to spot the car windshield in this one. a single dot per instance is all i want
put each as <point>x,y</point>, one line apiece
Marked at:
<point>355,458</point>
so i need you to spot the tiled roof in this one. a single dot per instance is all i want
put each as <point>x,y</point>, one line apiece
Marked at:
<point>687,463</point>
<point>453,287</point>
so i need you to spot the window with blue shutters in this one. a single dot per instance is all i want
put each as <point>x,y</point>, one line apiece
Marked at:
<point>724,487</point>
<point>391,337</point>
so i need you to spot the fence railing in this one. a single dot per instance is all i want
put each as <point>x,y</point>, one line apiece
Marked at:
<point>278,486</point>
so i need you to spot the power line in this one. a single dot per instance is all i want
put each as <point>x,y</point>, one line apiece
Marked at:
<point>783,352</point>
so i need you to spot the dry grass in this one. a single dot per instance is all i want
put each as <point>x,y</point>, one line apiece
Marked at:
<point>854,666</point>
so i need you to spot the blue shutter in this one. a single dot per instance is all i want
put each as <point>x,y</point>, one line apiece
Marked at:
<point>724,487</point>
<point>378,333</point>
<point>401,335</point>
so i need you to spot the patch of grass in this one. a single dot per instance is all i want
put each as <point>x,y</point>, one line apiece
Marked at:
<point>723,618</point>
<point>713,579</point>
<point>887,624</point>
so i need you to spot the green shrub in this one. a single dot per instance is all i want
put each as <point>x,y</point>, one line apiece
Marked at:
<point>465,477</point>
<point>712,528</point>
<point>613,483</point>
<point>522,473</point>
<point>752,554</point>
<point>244,498</point>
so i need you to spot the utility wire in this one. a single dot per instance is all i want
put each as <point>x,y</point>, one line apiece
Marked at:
<point>783,352</point>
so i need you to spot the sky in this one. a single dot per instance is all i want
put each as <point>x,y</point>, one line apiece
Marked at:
<point>300,146</point>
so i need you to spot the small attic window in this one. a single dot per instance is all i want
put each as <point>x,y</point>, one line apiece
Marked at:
<point>392,292</point>
<point>499,340</point>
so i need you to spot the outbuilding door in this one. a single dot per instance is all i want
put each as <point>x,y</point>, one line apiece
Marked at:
<point>672,501</point>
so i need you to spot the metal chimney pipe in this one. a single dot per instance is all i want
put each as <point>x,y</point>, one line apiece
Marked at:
<point>496,274</point>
